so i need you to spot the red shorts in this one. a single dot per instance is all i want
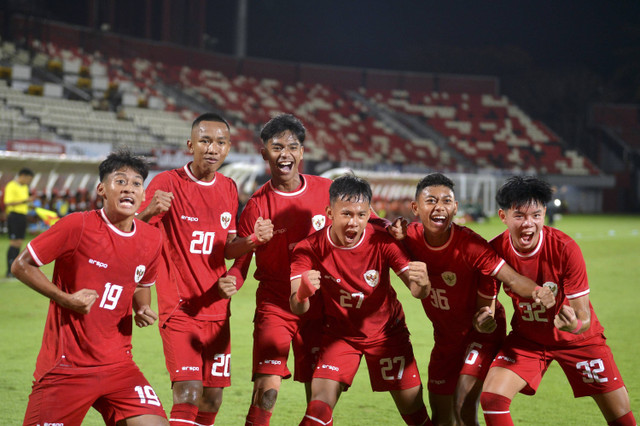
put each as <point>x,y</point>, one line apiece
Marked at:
<point>274,334</point>
<point>589,365</point>
<point>197,350</point>
<point>448,362</point>
<point>64,395</point>
<point>391,363</point>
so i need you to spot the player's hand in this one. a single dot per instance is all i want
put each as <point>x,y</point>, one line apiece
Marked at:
<point>263,230</point>
<point>484,321</point>
<point>81,301</point>
<point>398,228</point>
<point>544,295</point>
<point>566,319</point>
<point>418,274</point>
<point>160,203</point>
<point>227,286</point>
<point>145,316</point>
<point>309,284</point>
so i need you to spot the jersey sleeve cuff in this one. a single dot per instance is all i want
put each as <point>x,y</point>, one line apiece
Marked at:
<point>497,268</point>
<point>576,295</point>
<point>485,296</point>
<point>34,255</point>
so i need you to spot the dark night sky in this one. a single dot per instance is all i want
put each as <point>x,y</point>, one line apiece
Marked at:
<point>392,34</point>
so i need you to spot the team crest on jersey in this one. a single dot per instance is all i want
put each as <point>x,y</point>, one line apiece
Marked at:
<point>552,286</point>
<point>225,219</point>
<point>449,278</point>
<point>140,270</point>
<point>372,277</point>
<point>318,222</point>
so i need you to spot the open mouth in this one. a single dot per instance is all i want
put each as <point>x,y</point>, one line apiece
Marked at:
<point>127,202</point>
<point>439,219</point>
<point>526,237</point>
<point>285,166</point>
<point>350,235</point>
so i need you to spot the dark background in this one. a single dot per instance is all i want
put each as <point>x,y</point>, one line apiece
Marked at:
<point>553,58</point>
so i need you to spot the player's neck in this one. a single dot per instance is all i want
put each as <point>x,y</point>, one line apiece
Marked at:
<point>437,240</point>
<point>289,185</point>
<point>200,174</point>
<point>121,222</point>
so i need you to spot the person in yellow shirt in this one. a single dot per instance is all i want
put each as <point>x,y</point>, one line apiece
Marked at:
<point>16,202</point>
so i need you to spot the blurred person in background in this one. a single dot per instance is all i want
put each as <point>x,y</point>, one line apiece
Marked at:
<point>16,202</point>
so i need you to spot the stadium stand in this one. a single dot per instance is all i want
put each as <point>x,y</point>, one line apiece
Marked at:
<point>133,102</point>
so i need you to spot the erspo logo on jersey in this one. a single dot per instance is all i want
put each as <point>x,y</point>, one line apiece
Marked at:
<point>98,263</point>
<point>53,424</point>
<point>189,218</point>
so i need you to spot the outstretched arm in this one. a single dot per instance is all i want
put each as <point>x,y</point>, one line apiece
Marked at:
<point>262,233</point>
<point>26,270</point>
<point>143,314</point>
<point>525,287</point>
<point>301,289</point>
<point>416,279</point>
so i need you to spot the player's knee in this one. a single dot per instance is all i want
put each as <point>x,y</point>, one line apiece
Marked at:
<point>211,400</point>
<point>268,399</point>
<point>187,392</point>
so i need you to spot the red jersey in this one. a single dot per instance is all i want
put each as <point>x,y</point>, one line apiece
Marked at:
<point>360,305</point>
<point>295,215</point>
<point>195,231</point>
<point>91,253</point>
<point>456,270</point>
<point>556,262</point>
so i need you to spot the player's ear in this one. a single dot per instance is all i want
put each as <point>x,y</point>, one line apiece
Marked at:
<point>414,208</point>
<point>190,145</point>
<point>301,152</point>
<point>329,212</point>
<point>100,189</point>
<point>263,152</point>
<point>455,209</point>
<point>503,216</point>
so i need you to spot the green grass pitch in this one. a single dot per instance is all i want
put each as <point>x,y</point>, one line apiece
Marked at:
<point>611,247</point>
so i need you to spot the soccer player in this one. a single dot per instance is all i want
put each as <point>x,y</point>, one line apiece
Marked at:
<point>282,212</point>
<point>195,208</point>
<point>16,201</point>
<point>349,261</point>
<point>105,262</point>
<point>570,334</point>
<point>459,260</point>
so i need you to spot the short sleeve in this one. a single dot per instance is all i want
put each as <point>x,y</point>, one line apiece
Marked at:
<point>302,259</point>
<point>248,217</point>
<point>575,280</point>
<point>60,240</point>
<point>160,182</point>
<point>396,255</point>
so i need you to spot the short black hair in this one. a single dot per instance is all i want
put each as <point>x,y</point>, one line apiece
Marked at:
<point>210,116</point>
<point>350,188</point>
<point>25,171</point>
<point>123,158</point>
<point>434,179</point>
<point>280,124</point>
<point>518,191</point>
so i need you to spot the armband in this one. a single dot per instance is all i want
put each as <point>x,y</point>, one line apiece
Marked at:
<point>254,240</point>
<point>578,327</point>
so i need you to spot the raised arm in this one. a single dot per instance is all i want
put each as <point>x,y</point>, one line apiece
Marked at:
<point>416,278</point>
<point>302,288</point>
<point>525,287</point>
<point>575,317</point>
<point>262,233</point>
<point>484,318</point>
<point>26,270</point>
<point>160,203</point>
